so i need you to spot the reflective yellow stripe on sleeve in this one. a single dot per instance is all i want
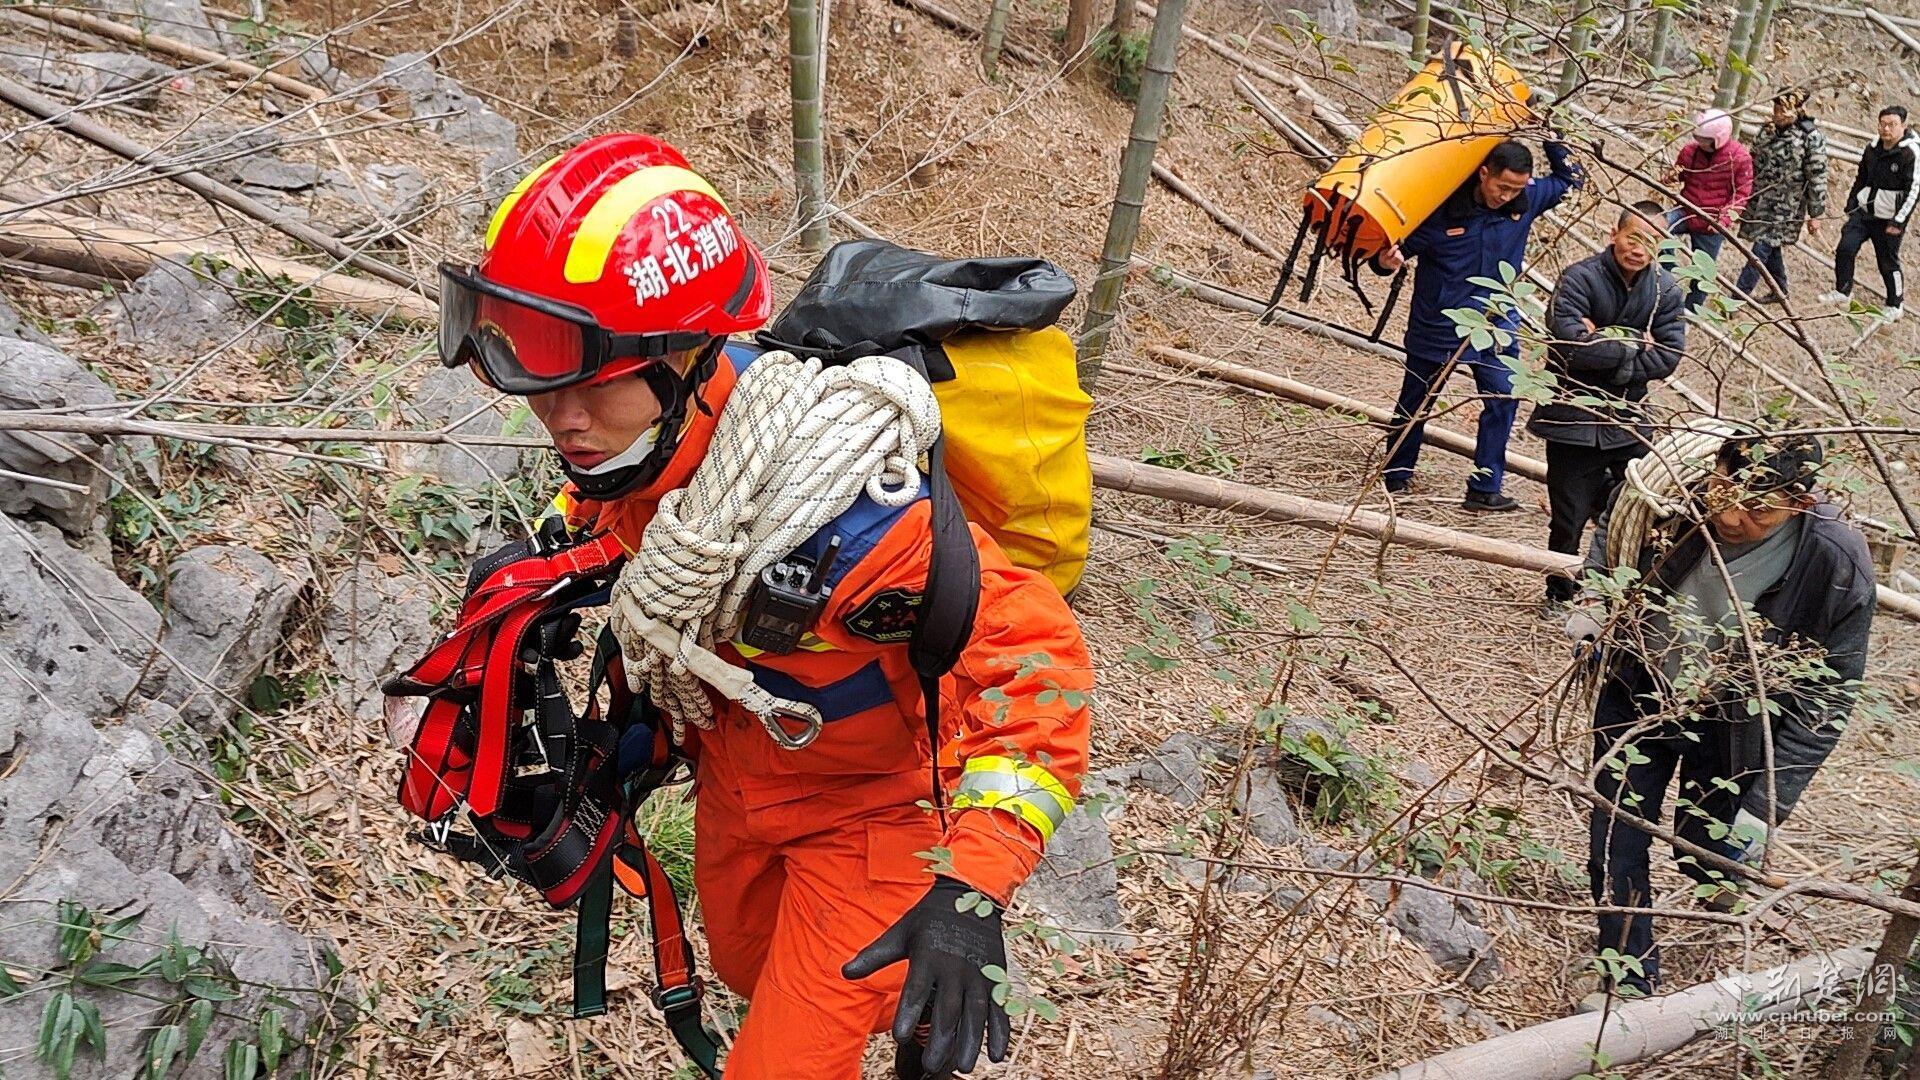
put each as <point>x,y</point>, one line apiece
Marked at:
<point>1001,783</point>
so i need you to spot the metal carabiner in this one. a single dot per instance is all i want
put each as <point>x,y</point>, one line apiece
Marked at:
<point>806,714</point>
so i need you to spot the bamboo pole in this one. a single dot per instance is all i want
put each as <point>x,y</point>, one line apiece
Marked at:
<point>1139,478</point>
<point>1079,27</point>
<point>199,183</point>
<point>1905,39</point>
<point>1123,225</point>
<point>1225,220</point>
<point>1762,21</point>
<point>994,37</point>
<point>1852,13</point>
<point>957,24</point>
<point>1637,1030</point>
<point>1736,50</point>
<point>1233,301</point>
<point>1579,40</point>
<point>87,245</point>
<point>1662,34</point>
<point>1289,130</point>
<point>1323,109</point>
<point>1891,958</point>
<point>1422,22</point>
<point>1293,390</point>
<point>809,169</point>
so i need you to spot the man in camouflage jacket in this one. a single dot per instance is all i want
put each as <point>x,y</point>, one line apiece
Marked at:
<point>1789,187</point>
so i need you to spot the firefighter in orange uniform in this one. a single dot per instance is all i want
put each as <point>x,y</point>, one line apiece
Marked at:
<point>612,278</point>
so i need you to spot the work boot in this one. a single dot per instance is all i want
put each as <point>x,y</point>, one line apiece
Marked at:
<point>1894,313</point>
<point>1489,502</point>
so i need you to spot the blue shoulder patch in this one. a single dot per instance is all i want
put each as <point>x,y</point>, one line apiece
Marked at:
<point>741,354</point>
<point>860,530</point>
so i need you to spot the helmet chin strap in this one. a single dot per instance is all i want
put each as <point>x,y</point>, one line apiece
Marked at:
<point>640,463</point>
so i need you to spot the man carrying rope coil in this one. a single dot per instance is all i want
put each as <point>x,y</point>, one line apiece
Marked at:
<point>1731,606</point>
<point>774,539</point>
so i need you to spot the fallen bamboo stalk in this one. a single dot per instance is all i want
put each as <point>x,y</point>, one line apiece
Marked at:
<point>198,431</point>
<point>1138,478</point>
<point>1281,386</point>
<point>43,481</point>
<point>1280,123</point>
<point>88,246</point>
<point>1221,217</point>
<point>1323,110</point>
<point>1905,39</point>
<point>1852,13</point>
<point>1233,301</point>
<point>45,108</point>
<point>954,22</point>
<point>127,35</point>
<point>1639,1030</point>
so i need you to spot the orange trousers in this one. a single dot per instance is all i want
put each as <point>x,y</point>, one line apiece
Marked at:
<point>788,894</point>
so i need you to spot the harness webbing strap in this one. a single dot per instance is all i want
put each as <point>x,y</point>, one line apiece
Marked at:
<point>591,933</point>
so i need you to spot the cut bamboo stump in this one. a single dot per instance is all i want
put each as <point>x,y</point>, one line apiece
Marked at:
<point>90,246</point>
<point>1640,1030</point>
<point>1253,378</point>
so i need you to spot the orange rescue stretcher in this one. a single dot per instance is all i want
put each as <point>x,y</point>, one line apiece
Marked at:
<point>1421,146</point>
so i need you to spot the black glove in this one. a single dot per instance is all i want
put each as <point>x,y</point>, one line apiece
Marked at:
<point>945,949</point>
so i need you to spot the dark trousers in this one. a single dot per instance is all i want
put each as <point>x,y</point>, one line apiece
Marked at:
<point>1618,853</point>
<point>1581,481</point>
<point>1707,243</point>
<point>1886,251</point>
<point>1497,410</point>
<point>1774,259</point>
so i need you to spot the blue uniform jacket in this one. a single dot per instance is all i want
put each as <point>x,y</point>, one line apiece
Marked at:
<point>1464,240</point>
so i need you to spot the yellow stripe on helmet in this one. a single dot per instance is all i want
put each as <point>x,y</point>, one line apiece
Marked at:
<point>513,199</point>
<point>593,241</point>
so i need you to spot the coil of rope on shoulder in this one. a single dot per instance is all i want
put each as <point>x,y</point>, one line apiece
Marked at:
<point>796,445</point>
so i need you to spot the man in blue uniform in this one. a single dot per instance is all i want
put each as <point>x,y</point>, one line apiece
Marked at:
<point>1482,225</point>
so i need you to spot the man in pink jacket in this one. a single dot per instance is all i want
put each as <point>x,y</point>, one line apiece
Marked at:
<point>1715,174</point>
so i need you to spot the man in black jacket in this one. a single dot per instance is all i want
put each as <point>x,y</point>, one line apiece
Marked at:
<point>1762,558</point>
<point>1616,325</point>
<point>1879,205</point>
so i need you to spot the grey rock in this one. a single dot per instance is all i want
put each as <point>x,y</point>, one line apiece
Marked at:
<point>268,173</point>
<point>182,20</point>
<point>129,80</point>
<point>133,80</point>
<point>174,311</point>
<point>1464,1012</point>
<point>445,395</point>
<point>1339,19</point>
<point>316,66</point>
<point>1075,887</point>
<point>1262,797</point>
<point>36,376</point>
<point>374,627</point>
<point>226,609</point>
<point>12,325</point>
<point>324,527</point>
<point>1176,769</point>
<point>1448,929</point>
<point>1385,33</point>
<point>385,199</point>
<point>1337,1024</point>
<point>460,119</point>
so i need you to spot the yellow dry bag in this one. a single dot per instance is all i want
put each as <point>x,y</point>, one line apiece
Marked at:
<point>1011,409</point>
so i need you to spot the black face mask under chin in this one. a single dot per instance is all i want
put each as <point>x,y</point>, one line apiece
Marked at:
<point>676,395</point>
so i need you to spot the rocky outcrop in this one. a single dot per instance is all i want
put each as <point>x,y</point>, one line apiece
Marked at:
<point>110,828</point>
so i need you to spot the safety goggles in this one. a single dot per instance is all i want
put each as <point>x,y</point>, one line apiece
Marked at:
<point>526,344</point>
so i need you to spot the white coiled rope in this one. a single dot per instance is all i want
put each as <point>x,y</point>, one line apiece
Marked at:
<point>795,446</point>
<point>1657,484</point>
